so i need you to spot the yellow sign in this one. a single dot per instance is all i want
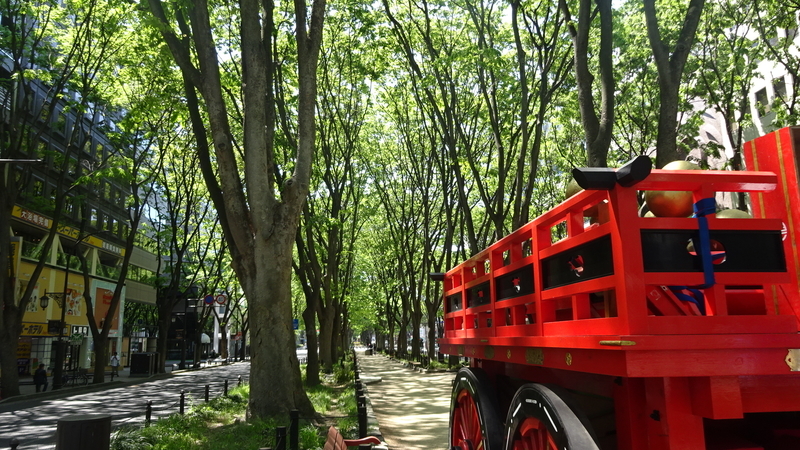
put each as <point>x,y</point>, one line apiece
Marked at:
<point>34,329</point>
<point>64,230</point>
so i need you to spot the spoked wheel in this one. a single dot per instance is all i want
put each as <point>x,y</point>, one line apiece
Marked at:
<point>539,418</point>
<point>474,422</point>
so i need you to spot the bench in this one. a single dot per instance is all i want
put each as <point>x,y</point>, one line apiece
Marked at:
<point>335,441</point>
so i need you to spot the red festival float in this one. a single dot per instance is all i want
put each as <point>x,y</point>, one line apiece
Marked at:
<point>594,328</point>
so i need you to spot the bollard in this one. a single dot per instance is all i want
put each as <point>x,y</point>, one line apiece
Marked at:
<point>148,413</point>
<point>240,381</point>
<point>294,429</point>
<point>208,388</point>
<point>14,444</point>
<point>362,421</point>
<point>183,401</point>
<point>83,432</point>
<point>362,401</point>
<point>225,391</point>
<point>280,438</point>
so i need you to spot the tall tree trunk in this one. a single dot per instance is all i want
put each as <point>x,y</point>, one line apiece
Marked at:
<point>326,338</point>
<point>259,224</point>
<point>274,334</point>
<point>312,344</point>
<point>10,314</point>
<point>670,71</point>
<point>597,126</point>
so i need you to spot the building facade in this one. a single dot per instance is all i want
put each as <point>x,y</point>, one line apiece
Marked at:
<point>93,227</point>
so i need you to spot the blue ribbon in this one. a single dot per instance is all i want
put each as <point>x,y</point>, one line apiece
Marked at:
<point>703,246</point>
<point>701,209</point>
<point>695,296</point>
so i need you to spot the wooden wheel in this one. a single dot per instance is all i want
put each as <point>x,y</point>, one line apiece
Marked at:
<point>540,418</point>
<point>474,422</point>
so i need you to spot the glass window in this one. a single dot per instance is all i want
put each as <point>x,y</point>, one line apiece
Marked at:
<point>779,87</point>
<point>69,206</point>
<point>762,102</point>
<point>31,243</point>
<point>61,122</point>
<point>38,188</point>
<point>40,151</point>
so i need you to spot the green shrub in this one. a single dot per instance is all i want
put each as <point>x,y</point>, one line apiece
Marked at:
<point>220,425</point>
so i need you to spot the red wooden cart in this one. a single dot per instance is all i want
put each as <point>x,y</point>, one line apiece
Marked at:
<point>616,333</point>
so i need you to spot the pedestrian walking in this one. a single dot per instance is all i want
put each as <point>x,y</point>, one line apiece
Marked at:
<point>40,378</point>
<point>114,365</point>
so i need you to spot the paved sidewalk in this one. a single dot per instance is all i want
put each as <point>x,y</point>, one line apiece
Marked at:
<point>412,408</point>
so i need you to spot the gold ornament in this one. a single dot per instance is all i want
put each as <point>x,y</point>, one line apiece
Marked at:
<point>671,203</point>
<point>573,188</point>
<point>733,214</point>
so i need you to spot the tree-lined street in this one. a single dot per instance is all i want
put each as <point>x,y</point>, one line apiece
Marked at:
<point>312,162</point>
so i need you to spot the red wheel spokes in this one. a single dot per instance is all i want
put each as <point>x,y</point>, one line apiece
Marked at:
<point>533,435</point>
<point>467,432</point>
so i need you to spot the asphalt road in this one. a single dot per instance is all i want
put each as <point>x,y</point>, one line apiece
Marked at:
<point>33,421</point>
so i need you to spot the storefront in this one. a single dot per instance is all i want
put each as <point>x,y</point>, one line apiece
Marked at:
<point>33,347</point>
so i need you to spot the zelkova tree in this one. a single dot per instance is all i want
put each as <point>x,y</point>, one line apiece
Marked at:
<point>670,63</point>
<point>441,79</point>
<point>259,217</point>
<point>597,121</point>
<point>184,211</point>
<point>726,71</point>
<point>333,209</point>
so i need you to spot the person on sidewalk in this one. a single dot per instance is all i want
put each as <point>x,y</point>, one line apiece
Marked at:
<point>114,366</point>
<point>40,378</point>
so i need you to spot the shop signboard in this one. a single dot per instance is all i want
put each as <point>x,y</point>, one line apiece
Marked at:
<point>35,329</point>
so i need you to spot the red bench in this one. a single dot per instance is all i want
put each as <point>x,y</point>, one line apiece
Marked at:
<point>335,441</point>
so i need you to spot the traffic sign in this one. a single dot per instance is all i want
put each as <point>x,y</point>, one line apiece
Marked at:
<point>221,299</point>
<point>209,299</point>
